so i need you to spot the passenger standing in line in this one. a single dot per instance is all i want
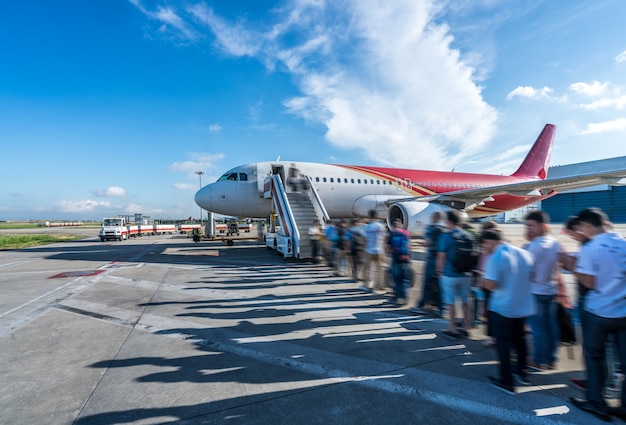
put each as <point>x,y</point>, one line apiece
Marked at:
<point>544,324</point>
<point>571,228</point>
<point>375,234</point>
<point>339,248</point>
<point>601,267</point>
<point>330,235</point>
<point>315,234</point>
<point>507,276</point>
<point>399,246</point>
<point>453,284</point>
<point>356,248</point>
<point>486,293</point>
<point>431,236</point>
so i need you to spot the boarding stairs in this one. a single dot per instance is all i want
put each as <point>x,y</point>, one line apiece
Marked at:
<point>296,212</point>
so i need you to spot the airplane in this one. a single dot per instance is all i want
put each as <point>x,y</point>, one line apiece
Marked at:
<point>349,191</point>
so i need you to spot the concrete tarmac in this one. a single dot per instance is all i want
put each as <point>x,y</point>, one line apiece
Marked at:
<point>160,330</point>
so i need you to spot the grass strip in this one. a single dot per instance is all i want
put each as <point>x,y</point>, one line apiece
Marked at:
<point>17,241</point>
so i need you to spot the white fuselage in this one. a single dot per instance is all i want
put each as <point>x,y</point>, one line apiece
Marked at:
<point>346,191</point>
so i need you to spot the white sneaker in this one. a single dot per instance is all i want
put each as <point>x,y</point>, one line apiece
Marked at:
<point>364,288</point>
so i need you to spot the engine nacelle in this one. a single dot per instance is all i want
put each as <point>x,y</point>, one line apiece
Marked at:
<point>364,204</point>
<point>415,215</point>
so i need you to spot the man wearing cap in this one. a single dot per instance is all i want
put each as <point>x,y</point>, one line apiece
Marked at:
<point>601,267</point>
<point>507,276</point>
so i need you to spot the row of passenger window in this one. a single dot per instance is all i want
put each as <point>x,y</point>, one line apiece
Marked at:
<point>407,183</point>
<point>357,181</point>
<point>399,182</point>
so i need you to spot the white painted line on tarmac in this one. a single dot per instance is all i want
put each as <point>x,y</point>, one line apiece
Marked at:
<point>13,264</point>
<point>34,300</point>
<point>381,381</point>
<point>11,324</point>
<point>557,410</point>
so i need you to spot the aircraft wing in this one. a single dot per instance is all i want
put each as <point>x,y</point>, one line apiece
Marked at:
<point>471,198</point>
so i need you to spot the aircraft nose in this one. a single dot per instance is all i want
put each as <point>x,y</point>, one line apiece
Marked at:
<point>203,198</point>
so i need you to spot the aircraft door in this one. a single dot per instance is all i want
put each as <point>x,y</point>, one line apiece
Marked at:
<point>263,170</point>
<point>278,169</point>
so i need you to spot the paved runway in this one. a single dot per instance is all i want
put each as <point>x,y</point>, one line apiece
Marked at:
<point>161,330</point>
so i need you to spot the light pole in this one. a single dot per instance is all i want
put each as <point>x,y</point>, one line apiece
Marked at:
<point>200,173</point>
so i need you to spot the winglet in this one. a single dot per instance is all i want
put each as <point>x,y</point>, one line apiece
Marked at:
<point>536,163</point>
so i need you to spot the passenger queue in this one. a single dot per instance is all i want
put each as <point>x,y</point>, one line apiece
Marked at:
<point>517,292</point>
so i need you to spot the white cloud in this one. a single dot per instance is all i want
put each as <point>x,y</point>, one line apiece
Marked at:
<point>382,77</point>
<point>618,102</point>
<point>214,128</point>
<point>169,21</point>
<point>197,162</point>
<point>592,90</point>
<point>527,92</point>
<point>621,58</point>
<point>234,39</point>
<point>84,206</point>
<point>185,186</point>
<point>603,127</point>
<point>133,209</point>
<point>111,192</point>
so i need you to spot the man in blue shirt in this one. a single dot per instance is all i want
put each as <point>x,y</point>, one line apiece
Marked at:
<point>453,284</point>
<point>431,236</point>
<point>399,246</point>
<point>507,276</point>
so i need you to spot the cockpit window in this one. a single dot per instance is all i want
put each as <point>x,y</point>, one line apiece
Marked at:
<point>232,177</point>
<point>243,177</point>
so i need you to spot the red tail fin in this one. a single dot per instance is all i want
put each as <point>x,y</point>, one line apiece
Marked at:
<point>535,164</point>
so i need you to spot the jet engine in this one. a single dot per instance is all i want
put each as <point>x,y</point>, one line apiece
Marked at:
<point>415,215</point>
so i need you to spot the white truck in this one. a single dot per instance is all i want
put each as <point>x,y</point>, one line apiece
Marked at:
<point>118,228</point>
<point>113,228</point>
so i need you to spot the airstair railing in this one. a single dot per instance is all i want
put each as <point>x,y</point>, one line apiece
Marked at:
<point>316,200</point>
<point>285,215</point>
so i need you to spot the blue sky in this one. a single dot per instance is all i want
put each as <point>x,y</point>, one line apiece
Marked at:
<point>109,107</point>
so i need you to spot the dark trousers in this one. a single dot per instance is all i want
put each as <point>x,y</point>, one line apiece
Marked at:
<point>400,271</point>
<point>429,273</point>
<point>509,333</point>
<point>596,330</point>
<point>356,265</point>
<point>315,249</point>
<point>489,327</point>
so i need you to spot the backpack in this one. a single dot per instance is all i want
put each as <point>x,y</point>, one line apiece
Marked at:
<point>356,241</point>
<point>399,246</point>
<point>465,257</point>
<point>340,241</point>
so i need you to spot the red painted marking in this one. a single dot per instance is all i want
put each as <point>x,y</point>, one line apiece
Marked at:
<point>77,274</point>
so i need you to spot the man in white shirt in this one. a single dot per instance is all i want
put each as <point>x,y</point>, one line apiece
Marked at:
<point>544,324</point>
<point>507,275</point>
<point>375,236</point>
<point>601,267</point>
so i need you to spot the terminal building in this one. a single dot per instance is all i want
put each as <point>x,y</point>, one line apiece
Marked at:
<point>611,199</point>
